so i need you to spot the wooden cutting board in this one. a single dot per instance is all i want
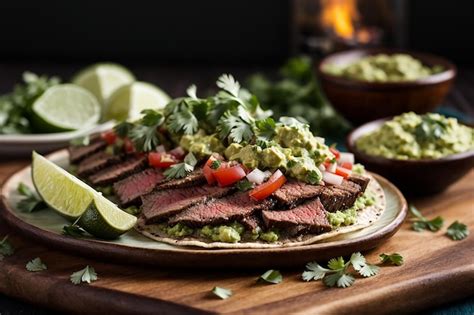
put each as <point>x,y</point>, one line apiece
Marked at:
<point>436,270</point>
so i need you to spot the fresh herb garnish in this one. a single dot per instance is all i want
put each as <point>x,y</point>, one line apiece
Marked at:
<point>180,170</point>
<point>87,274</point>
<point>144,134</point>
<point>394,259</point>
<point>36,265</point>
<point>32,202</point>
<point>236,125</point>
<point>73,229</point>
<point>339,272</point>
<point>457,231</point>
<point>6,248</point>
<point>215,164</point>
<point>271,276</point>
<point>81,141</point>
<point>222,293</point>
<point>122,129</point>
<point>421,223</point>
<point>266,128</point>
<point>313,177</point>
<point>244,185</point>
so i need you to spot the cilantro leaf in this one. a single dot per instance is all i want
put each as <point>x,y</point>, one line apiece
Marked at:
<point>368,270</point>
<point>229,84</point>
<point>421,223</point>
<point>122,129</point>
<point>87,274</point>
<point>244,185</point>
<point>345,280</point>
<point>314,177</point>
<point>73,230</point>
<point>144,134</point>
<point>336,263</point>
<point>6,248</point>
<point>457,231</point>
<point>357,260</point>
<point>332,279</point>
<point>32,202</point>
<point>180,170</point>
<point>183,121</point>
<point>191,91</point>
<point>266,128</point>
<point>222,293</point>
<point>394,259</point>
<point>314,272</point>
<point>36,265</point>
<point>236,125</point>
<point>271,276</point>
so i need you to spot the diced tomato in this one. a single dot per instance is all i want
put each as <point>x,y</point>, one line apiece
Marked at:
<point>128,145</point>
<point>269,187</point>
<point>226,176</point>
<point>109,136</point>
<point>336,152</point>
<point>344,172</point>
<point>208,171</point>
<point>161,160</point>
<point>347,165</point>
<point>178,153</point>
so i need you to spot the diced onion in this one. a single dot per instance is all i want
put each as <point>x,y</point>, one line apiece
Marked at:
<point>332,168</point>
<point>267,174</point>
<point>346,158</point>
<point>160,149</point>
<point>332,179</point>
<point>322,168</point>
<point>256,176</point>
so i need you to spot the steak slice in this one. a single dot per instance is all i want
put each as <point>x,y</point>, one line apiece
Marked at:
<point>194,178</point>
<point>78,153</point>
<point>360,180</point>
<point>307,217</point>
<point>129,190</point>
<point>96,162</point>
<point>334,198</point>
<point>162,204</point>
<point>294,192</point>
<point>252,222</point>
<point>235,207</point>
<point>116,172</point>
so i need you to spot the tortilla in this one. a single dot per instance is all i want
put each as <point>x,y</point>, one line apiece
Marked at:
<point>365,217</point>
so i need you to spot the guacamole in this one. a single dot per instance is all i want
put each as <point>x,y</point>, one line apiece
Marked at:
<point>384,68</point>
<point>202,145</point>
<point>411,136</point>
<point>223,233</point>
<point>349,216</point>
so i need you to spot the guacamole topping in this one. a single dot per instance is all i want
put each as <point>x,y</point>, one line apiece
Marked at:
<point>270,236</point>
<point>412,136</point>
<point>349,216</point>
<point>202,145</point>
<point>384,68</point>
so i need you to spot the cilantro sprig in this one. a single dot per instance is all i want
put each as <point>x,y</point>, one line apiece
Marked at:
<point>31,201</point>
<point>6,248</point>
<point>222,292</point>
<point>457,231</point>
<point>420,223</point>
<point>180,170</point>
<point>73,230</point>
<point>87,274</point>
<point>394,259</point>
<point>35,265</point>
<point>144,134</point>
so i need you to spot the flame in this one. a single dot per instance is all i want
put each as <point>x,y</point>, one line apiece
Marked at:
<point>339,16</point>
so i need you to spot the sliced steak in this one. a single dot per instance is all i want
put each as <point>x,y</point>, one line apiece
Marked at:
<point>307,217</point>
<point>78,153</point>
<point>129,190</point>
<point>162,204</point>
<point>360,180</point>
<point>251,222</point>
<point>111,174</point>
<point>235,207</point>
<point>334,198</point>
<point>97,162</point>
<point>194,178</point>
<point>294,192</point>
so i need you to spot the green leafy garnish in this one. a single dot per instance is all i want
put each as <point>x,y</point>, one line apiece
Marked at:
<point>421,223</point>
<point>81,141</point>
<point>394,259</point>
<point>266,128</point>
<point>32,202</point>
<point>73,230</point>
<point>180,170</point>
<point>36,265</point>
<point>236,125</point>
<point>313,177</point>
<point>271,276</point>
<point>244,185</point>
<point>457,231</point>
<point>87,274</point>
<point>222,293</point>
<point>122,129</point>
<point>6,248</point>
<point>144,134</point>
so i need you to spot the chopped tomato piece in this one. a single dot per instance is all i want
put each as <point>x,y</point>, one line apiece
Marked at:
<point>109,136</point>
<point>162,160</point>
<point>344,172</point>
<point>347,165</point>
<point>264,190</point>
<point>208,171</point>
<point>178,153</point>
<point>227,176</point>
<point>128,145</point>
<point>336,152</point>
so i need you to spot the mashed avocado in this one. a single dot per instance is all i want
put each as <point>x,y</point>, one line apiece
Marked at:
<point>178,230</point>
<point>202,145</point>
<point>384,68</point>
<point>412,136</point>
<point>349,216</point>
<point>223,233</point>
<point>269,236</point>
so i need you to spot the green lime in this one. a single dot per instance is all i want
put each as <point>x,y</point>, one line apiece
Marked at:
<point>72,198</point>
<point>128,101</point>
<point>65,107</point>
<point>102,79</point>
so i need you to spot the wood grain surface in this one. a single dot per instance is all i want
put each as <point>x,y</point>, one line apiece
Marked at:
<point>436,270</point>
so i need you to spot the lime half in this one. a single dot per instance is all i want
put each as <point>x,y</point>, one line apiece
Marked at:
<point>128,101</point>
<point>103,79</point>
<point>72,198</point>
<point>65,107</point>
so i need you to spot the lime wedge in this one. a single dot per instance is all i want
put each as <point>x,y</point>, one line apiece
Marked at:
<point>65,107</point>
<point>128,101</point>
<point>103,79</point>
<point>72,198</point>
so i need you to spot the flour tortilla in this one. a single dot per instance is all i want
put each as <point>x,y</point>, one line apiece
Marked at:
<point>365,217</point>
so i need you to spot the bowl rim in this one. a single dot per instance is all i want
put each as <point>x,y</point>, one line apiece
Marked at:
<point>351,146</point>
<point>449,73</point>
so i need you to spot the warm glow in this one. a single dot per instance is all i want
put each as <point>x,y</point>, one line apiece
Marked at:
<point>340,16</point>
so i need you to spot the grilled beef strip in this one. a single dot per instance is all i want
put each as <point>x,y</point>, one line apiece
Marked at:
<point>130,165</point>
<point>307,217</point>
<point>216,211</point>
<point>162,204</point>
<point>294,192</point>
<point>78,153</point>
<point>194,178</point>
<point>97,162</point>
<point>360,180</point>
<point>252,222</point>
<point>130,189</point>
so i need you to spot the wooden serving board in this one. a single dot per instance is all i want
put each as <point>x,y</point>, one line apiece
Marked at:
<point>436,270</point>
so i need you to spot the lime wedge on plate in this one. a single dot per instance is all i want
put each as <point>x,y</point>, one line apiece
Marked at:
<point>103,79</point>
<point>65,107</point>
<point>128,101</point>
<point>72,198</point>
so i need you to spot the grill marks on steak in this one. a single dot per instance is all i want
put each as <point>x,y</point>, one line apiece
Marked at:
<point>165,203</point>
<point>96,162</point>
<point>129,190</point>
<point>307,217</point>
<point>194,178</point>
<point>78,153</point>
<point>116,172</point>
<point>234,207</point>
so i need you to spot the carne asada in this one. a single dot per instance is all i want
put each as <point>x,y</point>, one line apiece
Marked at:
<point>78,153</point>
<point>97,162</point>
<point>130,189</point>
<point>116,172</point>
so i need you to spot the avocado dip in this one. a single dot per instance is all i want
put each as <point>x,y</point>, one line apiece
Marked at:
<point>384,68</point>
<point>412,137</point>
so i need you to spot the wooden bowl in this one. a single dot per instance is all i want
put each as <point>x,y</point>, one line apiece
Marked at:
<point>361,101</point>
<point>413,177</point>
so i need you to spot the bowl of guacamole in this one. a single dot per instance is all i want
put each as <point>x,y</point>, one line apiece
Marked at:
<point>368,84</point>
<point>422,154</point>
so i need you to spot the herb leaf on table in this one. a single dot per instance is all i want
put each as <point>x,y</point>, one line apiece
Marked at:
<point>6,248</point>
<point>36,265</point>
<point>271,276</point>
<point>31,201</point>
<point>394,259</point>
<point>421,223</point>
<point>87,274</point>
<point>457,231</point>
<point>222,292</point>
